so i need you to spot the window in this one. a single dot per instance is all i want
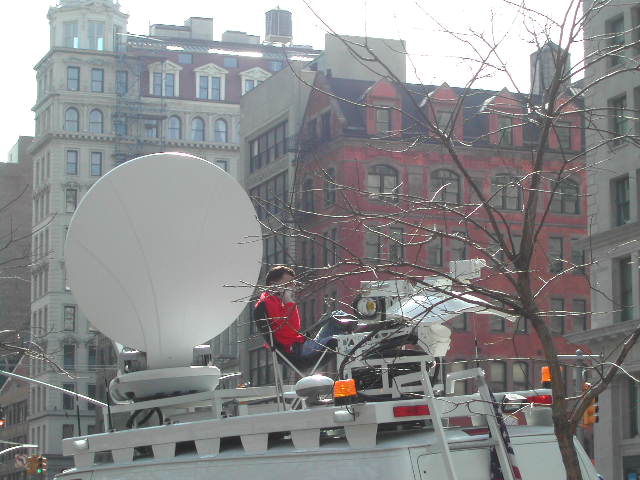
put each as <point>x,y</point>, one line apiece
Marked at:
<point>520,375</point>
<point>97,80</point>
<point>498,376</point>
<point>382,180</point>
<point>170,85</point>
<point>67,430</point>
<point>185,58</point>
<point>566,198</point>
<point>197,129</point>
<point>71,39</point>
<point>557,314</point>
<point>249,84</point>
<point>151,127</point>
<point>96,35</point>
<point>91,356</point>
<point>325,126</point>
<point>461,387</point>
<point>459,323</point>
<point>175,128</point>
<point>96,122</point>
<point>556,263</point>
<point>72,162</point>
<point>96,164</point>
<point>578,257</point>
<point>71,199</point>
<point>505,133</point>
<point>203,90</point>
<point>396,244</point>
<point>621,201</point>
<point>618,119</point>
<point>497,324</point>
<point>330,187</point>
<point>625,289</point>
<point>223,164</point>
<point>73,78</point>
<point>615,39</point>
<point>220,133</point>
<point>69,318</point>
<point>329,247</point>
<point>69,356</point>
<point>459,247</point>
<point>120,125</point>
<point>122,82</point>
<point>91,393</point>
<point>157,84</point>
<point>563,132</point>
<point>373,246</point>
<point>68,401</point>
<point>216,90</point>
<point>71,120</point>
<point>580,319</point>
<point>230,62</point>
<point>447,186</point>
<point>275,65</point>
<point>434,251</point>
<point>383,120</point>
<point>443,119</point>
<point>308,196</point>
<point>506,193</point>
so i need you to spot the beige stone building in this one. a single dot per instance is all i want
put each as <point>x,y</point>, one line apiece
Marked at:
<point>104,97</point>
<point>615,221</point>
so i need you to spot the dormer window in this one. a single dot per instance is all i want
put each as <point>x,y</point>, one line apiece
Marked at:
<point>252,78</point>
<point>505,130</point>
<point>164,79</point>
<point>383,120</point>
<point>210,82</point>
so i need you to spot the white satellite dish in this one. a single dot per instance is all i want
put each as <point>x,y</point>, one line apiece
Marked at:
<point>151,247</point>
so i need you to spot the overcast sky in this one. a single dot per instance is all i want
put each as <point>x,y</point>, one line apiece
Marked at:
<point>25,37</point>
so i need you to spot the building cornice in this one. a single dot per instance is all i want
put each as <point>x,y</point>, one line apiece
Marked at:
<point>604,335</point>
<point>614,237</point>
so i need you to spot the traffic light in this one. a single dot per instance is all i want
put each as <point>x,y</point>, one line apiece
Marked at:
<point>42,464</point>
<point>3,420</point>
<point>590,415</point>
<point>32,464</point>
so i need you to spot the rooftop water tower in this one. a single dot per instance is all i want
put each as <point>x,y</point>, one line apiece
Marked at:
<point>279,28</point>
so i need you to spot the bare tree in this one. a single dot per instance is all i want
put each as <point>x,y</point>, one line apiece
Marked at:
<point>504,223</point>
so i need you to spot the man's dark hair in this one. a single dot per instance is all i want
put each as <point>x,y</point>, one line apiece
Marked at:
<point>277,272</point>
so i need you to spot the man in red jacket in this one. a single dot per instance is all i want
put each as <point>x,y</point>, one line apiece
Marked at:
<point>276,315</point>
<point>276,312</point>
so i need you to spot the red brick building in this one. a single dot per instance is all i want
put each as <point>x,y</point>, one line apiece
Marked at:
<point>380,159</point>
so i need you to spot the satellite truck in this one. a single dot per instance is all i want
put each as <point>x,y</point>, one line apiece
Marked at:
<point>151,253</point>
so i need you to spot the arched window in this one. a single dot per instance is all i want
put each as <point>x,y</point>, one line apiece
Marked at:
<point>566,198</point>
<point>382,179</point>
<point>506,192</point>
<point>447,184</point>
<point>520,375</point>
<point>175,128</point>
<point>96,123</point>
<point>197,129</point>
<point>71,120</point>
<point>220,132</point>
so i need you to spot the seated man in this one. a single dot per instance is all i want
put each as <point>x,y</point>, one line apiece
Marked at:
<point>278,319</point>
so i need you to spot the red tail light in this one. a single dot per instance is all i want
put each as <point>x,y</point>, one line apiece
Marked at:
<point>540,399</point>
<point>410,411</point>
